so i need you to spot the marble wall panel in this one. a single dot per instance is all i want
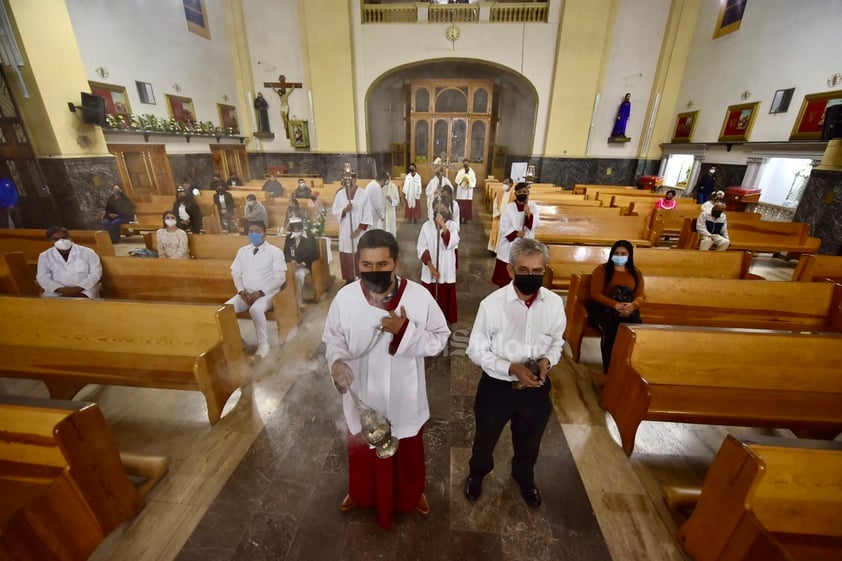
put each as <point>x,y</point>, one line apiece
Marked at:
<point>79,188</point>
<point>821,207</point>
<point>568,172</point>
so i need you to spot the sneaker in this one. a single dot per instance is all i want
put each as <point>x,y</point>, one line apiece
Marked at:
<point>262,350</point>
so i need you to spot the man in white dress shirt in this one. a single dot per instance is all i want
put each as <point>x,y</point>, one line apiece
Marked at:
<point>68,270</point>
<point>516,339</point>
<point>389,378</point>
<point>259,272</point>
<point>466,180</point>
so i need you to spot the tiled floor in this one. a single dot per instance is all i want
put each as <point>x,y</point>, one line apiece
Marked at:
<point>266,482</point>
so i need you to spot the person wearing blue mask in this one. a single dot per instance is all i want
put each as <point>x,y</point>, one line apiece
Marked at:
<point>259,272</point>
<point>617,292</point>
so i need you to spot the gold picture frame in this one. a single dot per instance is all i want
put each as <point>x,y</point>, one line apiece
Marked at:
<point>730,17</point>
<point>810,120</point>
<point>228,119</point>
<point>116,98</point>
<point>299,133</point>
<point>739,120</point>
<point>685,126</point>
<point>181,109</point>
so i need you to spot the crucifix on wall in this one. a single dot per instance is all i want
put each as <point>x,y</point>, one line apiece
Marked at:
<point>283,89</point>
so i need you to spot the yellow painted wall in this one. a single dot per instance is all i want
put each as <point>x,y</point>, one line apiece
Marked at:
<point>241,61</point>
<point>54,75</point>
<point>583,47</point>
<point>670,73</point>
<point>329,52</point>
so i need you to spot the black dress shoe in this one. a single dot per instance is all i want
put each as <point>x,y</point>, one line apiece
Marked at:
<point>473,488</point>
<point>530,495</point>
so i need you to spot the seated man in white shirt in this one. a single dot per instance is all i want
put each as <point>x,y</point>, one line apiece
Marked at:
<point>68,270</point>
<point>259,272</point>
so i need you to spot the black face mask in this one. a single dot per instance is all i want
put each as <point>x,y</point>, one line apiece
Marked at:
<point>377,282</point>
<point>521,198</point>
<point>716,213</point>
<point>529,284</point>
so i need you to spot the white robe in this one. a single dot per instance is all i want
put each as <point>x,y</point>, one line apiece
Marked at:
<point>512,220</point>
<point>375,197</point>
<point>412,189</point>
<point>430,240</point>
<point>390,223</point>
<point>360,214</point>
<point>454,210</point>
<point>465,183</point>
<point>82,268</point>
<point>394,385</point>
<point>433,188</point>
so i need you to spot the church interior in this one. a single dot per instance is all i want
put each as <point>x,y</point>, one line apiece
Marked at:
<point>199,448</point>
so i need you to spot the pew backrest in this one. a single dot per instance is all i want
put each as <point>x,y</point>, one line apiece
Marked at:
<point>32,242</point>
<point>821,268</point>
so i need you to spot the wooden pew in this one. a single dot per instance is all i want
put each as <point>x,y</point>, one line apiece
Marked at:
<point>568,260</point>
<point>71,343</point>
<point>149,215</point>
<point>703,375</point>
<point>717,303</point>
<point>758,236</point>
<point>669,222</point>
<point>584,188</point>
<point>767,498</point>
<point>32,242</point>
<point>63,482</point>
<point>573,212</point>
<point>17,278</point>
<point>596,230</point>
<point>821,268</point>
<point>625,201</point>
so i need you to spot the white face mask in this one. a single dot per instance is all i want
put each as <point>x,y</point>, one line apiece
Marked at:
<point>170,222</point>
<point>63,244</point>
<point>302,185</point>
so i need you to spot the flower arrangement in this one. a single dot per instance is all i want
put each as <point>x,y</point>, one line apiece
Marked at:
<point>147,122</point>
<point>315,227</point>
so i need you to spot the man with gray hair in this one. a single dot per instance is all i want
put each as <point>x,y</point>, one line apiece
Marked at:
<point>517,338</point>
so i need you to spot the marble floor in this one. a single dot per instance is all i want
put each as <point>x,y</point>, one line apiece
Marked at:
<point>267,480</point>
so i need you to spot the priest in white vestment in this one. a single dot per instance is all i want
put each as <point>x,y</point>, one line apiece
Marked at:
<point>501,200</point>
<point>434,187</point>
<point>375,197</point>
<point>386,371</point>
<point>391,200</point>
<point>353,210</point>
<point>412,193</point>
<point>466,181</point>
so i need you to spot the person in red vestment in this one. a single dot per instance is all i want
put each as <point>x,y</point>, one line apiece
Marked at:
<point>436,246</point>
<point>377,333</point>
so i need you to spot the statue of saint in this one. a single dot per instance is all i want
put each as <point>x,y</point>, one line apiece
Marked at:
<point>261,107</point>
<point>622,118</point>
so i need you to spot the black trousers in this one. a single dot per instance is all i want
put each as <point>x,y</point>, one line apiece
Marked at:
<point>608,322</point>
<point>528,410</point>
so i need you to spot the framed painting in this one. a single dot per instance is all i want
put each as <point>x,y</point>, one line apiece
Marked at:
<point>780,103</point>
<point>228,117</point>
<point>810,121</point>
<point>116,100</point>
<point>684,126</point>
<point>738,122</point>
<point>730,17</point>
<point>299,133</point>
<point>145,92</point>
<point>181,109</point>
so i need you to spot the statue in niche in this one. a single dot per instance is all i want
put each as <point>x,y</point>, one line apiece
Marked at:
<point>261,107</point>
<point>619,131</point>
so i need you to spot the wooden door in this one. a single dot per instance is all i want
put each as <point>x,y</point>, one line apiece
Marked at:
<point>144,170</point>
<point>231,160</point>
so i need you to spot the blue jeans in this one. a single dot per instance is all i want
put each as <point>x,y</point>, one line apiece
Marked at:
<point>702,198</point>
<point>113,227</point>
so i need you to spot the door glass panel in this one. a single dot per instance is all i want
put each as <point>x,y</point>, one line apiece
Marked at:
<point>422,100</point>
<point>440,141</point>
<point>457,139</point>
<point>452,101</point>
<point>422,136</point>
<point>481,101</point>
<point>477,141</point>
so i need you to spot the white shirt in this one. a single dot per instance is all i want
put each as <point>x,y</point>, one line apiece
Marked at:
<point>182,211</point>
<point>434,187</point>
<point>360,214</point>
<point>391,384</point>
<point>264,270</point>
<point>82,268</point>
<point>378,208</point>
<point>704,218</point>
<point>431,239</point>
<point>389,221</point>
<point>412,189</point>
<point>507,331</point>
<point>465,183</point>
<point>512,220</point>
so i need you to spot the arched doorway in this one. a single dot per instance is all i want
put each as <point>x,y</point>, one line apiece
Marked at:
<point>497,119</point>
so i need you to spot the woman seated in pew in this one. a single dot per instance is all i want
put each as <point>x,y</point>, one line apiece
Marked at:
<point>172,240</point>
<point>668,202</point>
<point>617,292</point>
